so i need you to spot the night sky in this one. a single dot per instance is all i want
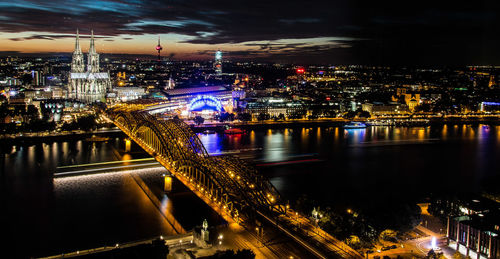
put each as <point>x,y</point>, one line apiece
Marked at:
<point>348,32</point>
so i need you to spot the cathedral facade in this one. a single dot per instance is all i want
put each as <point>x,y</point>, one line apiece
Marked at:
<point>87,83</point>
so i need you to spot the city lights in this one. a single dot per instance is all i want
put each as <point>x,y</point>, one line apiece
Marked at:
<point>296,130</point>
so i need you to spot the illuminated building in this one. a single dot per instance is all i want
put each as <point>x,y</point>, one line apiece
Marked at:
<point>170,84</point>
<point>38,78</point>
<point>377,108</point>
<point>275,107</point>
<point>476,232</point>
<point>87,85</point>
<point>218,62</point>
<point>205,105</point>
<point>412,100</point>
<point>189,101</point>
<point>127,93</point>
<point>10,81</point>
<point>490,106</point>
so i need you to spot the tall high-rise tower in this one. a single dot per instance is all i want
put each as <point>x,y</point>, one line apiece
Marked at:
<point>158,48</point>
<point>218,62</point>
<point>90,85</point>
<point>491,83</point>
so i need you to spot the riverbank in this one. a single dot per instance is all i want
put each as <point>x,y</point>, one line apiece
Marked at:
<point>34,138</point>
<point>336,122</point>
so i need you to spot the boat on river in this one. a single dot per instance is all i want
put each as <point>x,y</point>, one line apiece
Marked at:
<point>231,131</point>
<point>355,125</point>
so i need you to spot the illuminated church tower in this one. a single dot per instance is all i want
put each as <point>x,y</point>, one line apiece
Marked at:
<point>77,66</point>
<point>93,57</point>
<point>77,62</point>
<point>90,85</point>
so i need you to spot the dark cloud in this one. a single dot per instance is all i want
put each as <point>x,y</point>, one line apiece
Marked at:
<point>361,31</point>
<point>56,36</point>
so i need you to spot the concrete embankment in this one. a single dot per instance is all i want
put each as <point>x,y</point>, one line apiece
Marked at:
<point>154,199</point>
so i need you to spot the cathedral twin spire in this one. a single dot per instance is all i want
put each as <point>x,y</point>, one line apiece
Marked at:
<point>92,46</point>
<point>77,65</point>
<point>77,44</point>
<point>87,83</point>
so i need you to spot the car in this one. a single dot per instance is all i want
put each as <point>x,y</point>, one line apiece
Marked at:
<point>385,248</point>
<point>394,246</point>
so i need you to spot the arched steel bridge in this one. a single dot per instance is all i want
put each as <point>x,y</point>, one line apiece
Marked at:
<point>226,183</point>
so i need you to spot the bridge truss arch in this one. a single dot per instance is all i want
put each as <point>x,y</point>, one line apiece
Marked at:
<point>227,182</point>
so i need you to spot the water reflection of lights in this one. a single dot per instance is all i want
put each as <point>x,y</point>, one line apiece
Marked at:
<point>166,204</point>
<point>106,168</point>
<point>212,143</point>
<point>444,132</point>
<point>303,136</point>
<point>275,146</point>
<point>355,135</point>
<point>97,179</point>
<point>421,134</point>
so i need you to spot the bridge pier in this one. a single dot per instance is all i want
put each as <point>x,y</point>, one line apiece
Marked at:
<point>167,187</point>
<point>128,144</point>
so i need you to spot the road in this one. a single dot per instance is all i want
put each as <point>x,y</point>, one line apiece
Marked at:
<point>323,240</point>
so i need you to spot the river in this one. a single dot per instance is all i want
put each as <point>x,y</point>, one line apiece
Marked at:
<point>44,216</point>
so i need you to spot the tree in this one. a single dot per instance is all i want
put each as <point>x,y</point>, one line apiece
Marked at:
<point>244,116</point>
<point>263,116</point>
<point>198,120</point>
<point>424,107</point>
<point>349,115</point>
<point>364,114</point>
<point>241,254</point>
<point>86,123</point>
<point>296,115</point>
<point>225,116</point>
<point>281,116</point>
<point>354,242</point>
<point>388,235</point>
<point>32,112</point>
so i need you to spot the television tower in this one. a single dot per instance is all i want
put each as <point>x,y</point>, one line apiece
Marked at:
<point>159,48</point>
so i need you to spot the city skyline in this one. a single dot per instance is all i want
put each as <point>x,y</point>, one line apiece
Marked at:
<point>319,32</point>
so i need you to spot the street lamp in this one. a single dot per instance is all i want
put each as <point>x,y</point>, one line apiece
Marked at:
<point>315,215</point>
<point>220,239</point>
